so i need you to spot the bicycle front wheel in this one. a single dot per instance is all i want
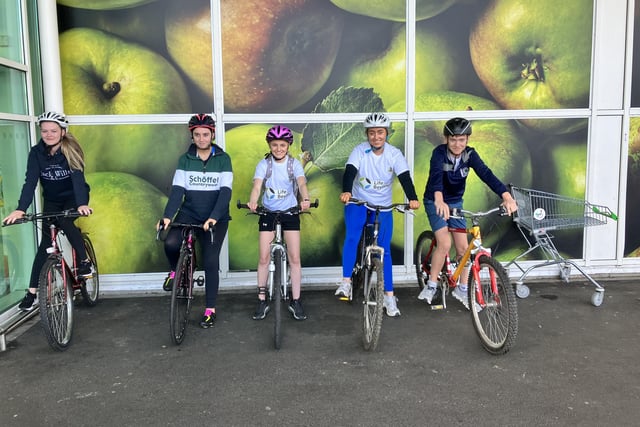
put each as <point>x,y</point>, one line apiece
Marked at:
<point>90,287</point>
<point>425,245</point>
<point>56,305</point>
<point>372,304</point>
<point>277,301</point>
<point>493,308</point>
<point>181,297</point>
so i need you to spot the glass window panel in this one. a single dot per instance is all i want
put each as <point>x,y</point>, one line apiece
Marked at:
<point>13,87</point>
<point>17,243</point>
<point>632,224</point>
<point>11,31</point>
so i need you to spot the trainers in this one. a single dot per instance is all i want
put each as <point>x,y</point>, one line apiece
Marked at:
<point>461,295</point>
<point>344,290</point>
<point>261,310</point>
<point>427,294</point>
<point>390,305</point>
<point>295,307</point>
<point>168,281</point>
<point>28,302</point>
<point>208,320</point>
<point>84,269</point>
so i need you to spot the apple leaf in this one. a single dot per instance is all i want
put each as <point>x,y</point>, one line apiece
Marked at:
<point>328,145</point>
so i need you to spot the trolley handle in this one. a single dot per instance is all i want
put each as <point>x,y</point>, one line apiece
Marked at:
<point>605,211</point>
<point>261,210</point>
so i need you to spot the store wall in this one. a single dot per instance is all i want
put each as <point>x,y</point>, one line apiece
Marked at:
<point>132,77</point>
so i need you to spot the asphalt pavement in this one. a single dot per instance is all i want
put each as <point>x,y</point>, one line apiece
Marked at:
<point>573,364</point>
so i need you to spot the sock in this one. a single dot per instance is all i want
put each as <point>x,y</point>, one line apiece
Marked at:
<point>431,284</point>
<point>172,275</point>
<point>209,312</point>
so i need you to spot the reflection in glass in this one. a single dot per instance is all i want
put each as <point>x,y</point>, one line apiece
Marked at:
<point>13,87</point>
<point>11,31</point>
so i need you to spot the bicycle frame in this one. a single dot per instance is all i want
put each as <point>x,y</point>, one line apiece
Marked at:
<point>278,245</point>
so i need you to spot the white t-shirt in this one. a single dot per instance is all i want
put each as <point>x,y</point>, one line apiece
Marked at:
<point>278,189</point>
<point>376,173</point>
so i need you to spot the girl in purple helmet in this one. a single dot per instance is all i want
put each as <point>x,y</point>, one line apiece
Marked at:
<point>280,175</point>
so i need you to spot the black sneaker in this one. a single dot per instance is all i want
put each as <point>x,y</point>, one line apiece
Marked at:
<point>261,310</point>
<point>295,307</point>
<point>168,282</point>
<point>28,302</point>
<point>84,269</point>
<point>207,321</point>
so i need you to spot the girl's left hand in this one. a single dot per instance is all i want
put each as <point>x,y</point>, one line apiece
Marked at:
<point>305,205</point>
<point>85,210</point>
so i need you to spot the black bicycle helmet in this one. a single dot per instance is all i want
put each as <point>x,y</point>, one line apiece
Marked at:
<point>202,121</point>
<point>457,126</point>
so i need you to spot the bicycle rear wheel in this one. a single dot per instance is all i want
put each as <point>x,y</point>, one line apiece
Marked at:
<point>496,320</point>
<point>372,304</point>
<point>181,297</point>
<point>422,257</point>
<point>90,287</point>
<point>56,305</point>
<point>277,301</point>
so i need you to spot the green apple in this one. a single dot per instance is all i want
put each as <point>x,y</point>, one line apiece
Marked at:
<point>277,53</point>
<point>533,55</point>
<point>150,152</point>
<point>103,4</point>
<point>632,236</point>
<point>122,227</point>
<point>496,141</point>
<point>103,74</point>
<point>437,65</point>
<point>569,166</point>
<point>137,24</point>
<point>394,10</point>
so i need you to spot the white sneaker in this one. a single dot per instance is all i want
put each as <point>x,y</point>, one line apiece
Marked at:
<point>390,305</point>
<point>344,289</point>
<point>427,294</point>
<point>461,295</point>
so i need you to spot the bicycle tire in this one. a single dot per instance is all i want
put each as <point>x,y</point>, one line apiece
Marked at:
<point>181,297</point>
<point>422,257</point>
<point>373,304</point>
<point>55,299</point>
<point>90,287</point>
<point>497,322</point>
<point>277,300</point>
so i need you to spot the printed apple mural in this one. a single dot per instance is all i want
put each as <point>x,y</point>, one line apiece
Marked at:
<point>140,57</point>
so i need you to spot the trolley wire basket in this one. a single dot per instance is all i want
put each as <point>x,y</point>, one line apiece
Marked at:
<point>539,213</point>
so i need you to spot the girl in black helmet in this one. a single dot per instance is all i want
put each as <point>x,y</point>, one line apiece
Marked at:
<point>450,165</point>
<point>57,162</point>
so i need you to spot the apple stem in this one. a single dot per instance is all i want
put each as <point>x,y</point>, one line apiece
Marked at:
<point>111,89</point>
<point>533,70</point>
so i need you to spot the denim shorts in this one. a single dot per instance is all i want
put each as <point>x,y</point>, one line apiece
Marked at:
<point>437,222</point>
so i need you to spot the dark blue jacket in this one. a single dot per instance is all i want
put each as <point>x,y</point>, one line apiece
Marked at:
<point>452,183</point>
<point>59,183</point>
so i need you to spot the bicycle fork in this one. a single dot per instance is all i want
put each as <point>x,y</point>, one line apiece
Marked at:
<point>283,271</point>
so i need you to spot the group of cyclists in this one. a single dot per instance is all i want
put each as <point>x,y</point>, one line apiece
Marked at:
<point>201,194</point>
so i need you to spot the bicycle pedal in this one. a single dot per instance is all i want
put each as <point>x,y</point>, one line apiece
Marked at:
<point>437,307</point>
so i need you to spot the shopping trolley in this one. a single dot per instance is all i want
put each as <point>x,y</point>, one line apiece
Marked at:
<point>540,213</point>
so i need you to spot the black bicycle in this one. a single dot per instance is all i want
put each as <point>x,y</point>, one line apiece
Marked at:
<point>279,280</point>
<point>182,290</point>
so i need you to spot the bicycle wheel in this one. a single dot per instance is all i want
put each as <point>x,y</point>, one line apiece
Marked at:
<point>56,305</point>
<point>372,304</point>
<point>495,321</point>
<point>90,287</point>
<point>277,301</point>
<point>181,297</point>
<point>422,257</point>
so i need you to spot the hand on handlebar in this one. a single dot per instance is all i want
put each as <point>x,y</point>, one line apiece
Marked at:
<point>209,224</point>
<point>163,224</point>
<point>13,217</point>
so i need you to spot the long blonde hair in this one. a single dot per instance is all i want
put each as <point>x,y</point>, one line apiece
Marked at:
<point>72,151</point>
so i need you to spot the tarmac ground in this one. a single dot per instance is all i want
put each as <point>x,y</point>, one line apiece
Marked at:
<point>573,364</point>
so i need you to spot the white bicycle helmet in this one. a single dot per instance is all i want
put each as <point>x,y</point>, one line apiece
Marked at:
<point>52,116</point>
<point>377,120</point>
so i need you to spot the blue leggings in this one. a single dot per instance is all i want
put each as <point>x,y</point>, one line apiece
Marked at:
<point>355,216</point>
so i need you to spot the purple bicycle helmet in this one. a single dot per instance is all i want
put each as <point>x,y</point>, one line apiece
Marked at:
<point>280,132</point>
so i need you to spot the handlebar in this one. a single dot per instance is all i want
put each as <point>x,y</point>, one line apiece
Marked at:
<point>400,207</point>
<point>458,213</point>
<point>30,217</point>
<point>261,210</point>
<point>211,230</point>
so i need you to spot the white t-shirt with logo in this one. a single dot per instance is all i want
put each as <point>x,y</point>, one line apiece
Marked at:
<point>374,180</point>
<point>278,189</point>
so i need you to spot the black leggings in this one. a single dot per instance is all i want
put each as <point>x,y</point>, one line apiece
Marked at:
<point>210,259</point>
<point>72,233</point>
